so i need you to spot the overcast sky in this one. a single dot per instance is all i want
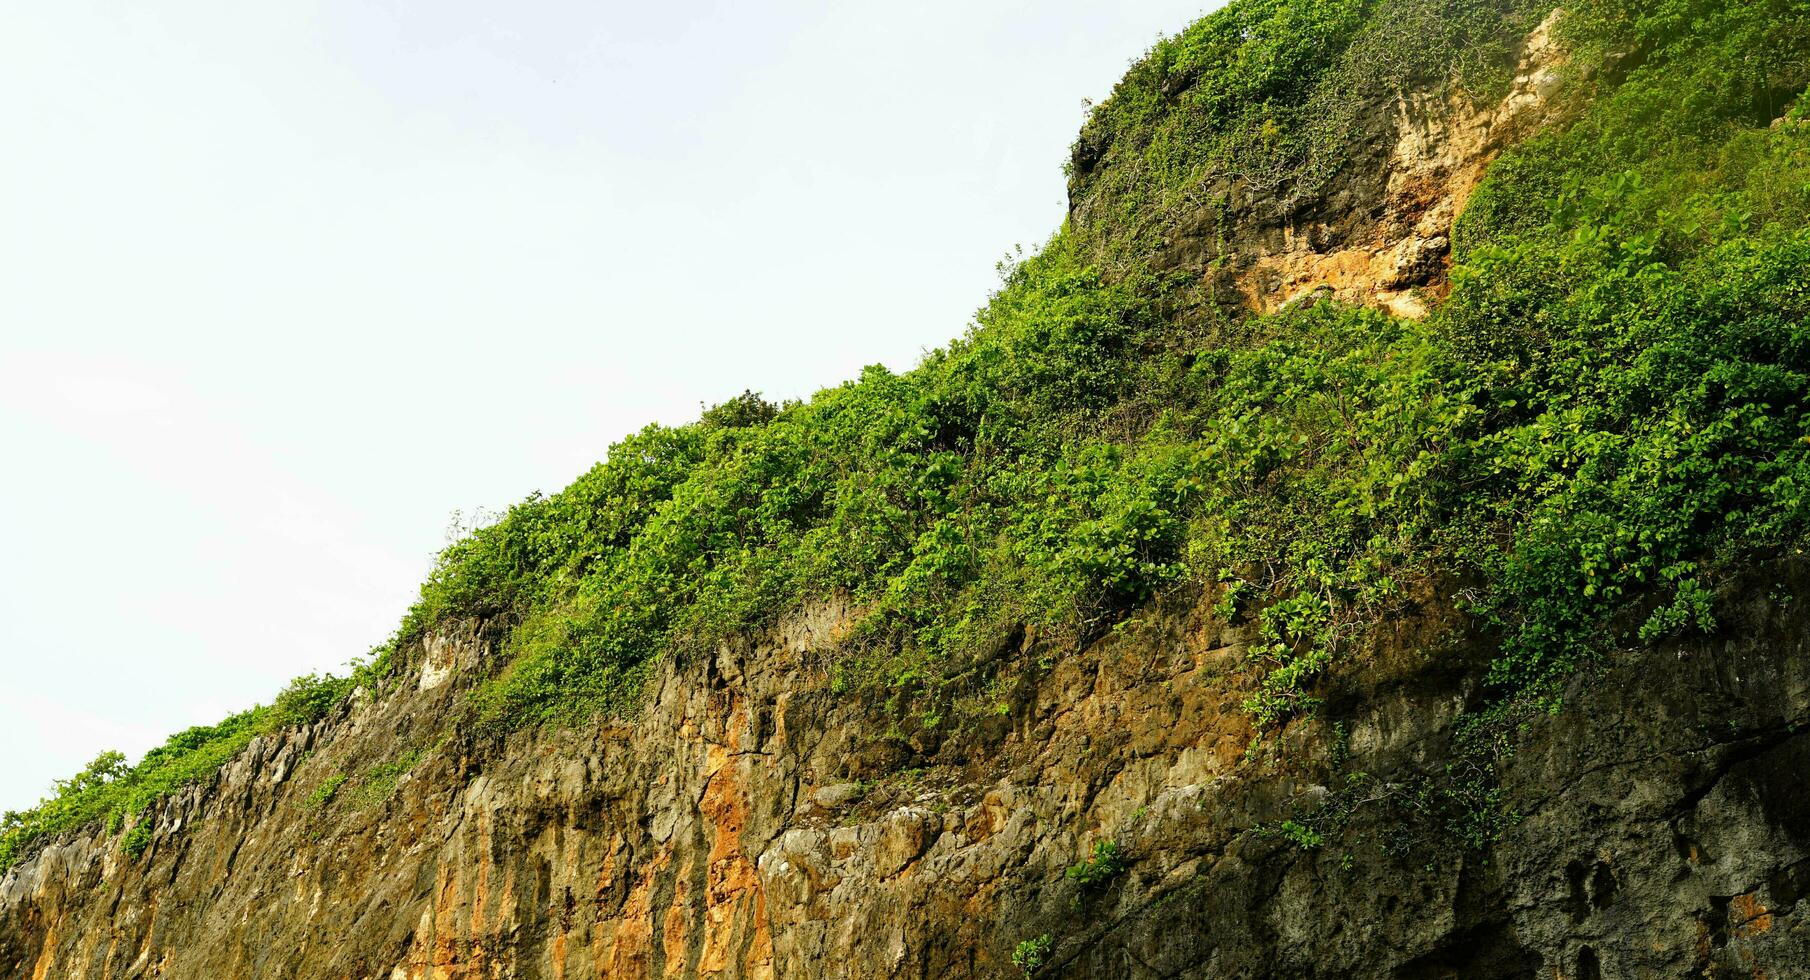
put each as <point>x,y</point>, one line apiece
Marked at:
<point>282,285</point>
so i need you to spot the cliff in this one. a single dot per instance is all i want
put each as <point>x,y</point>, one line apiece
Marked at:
<point>747,826</point>
<point>1334,632</point>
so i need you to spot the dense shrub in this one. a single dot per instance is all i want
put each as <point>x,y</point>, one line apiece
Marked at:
<point>308,698</point>
<point>111,792</point>
<point>1607,404</point>
<point>1268,97</point>
<point>1098,870</point>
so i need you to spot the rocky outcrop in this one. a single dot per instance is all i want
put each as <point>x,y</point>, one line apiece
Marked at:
<point>1391,251</point>
<point>752,822</point>
<point>1378,230</point>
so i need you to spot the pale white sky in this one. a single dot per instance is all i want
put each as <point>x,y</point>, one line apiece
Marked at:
<point>284,284</point>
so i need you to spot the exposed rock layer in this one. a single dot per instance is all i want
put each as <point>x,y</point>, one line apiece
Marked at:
<point>1378,232</point>
<point>746,827</point>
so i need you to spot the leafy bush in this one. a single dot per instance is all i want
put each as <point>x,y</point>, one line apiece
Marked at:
<point>135,841</point>
<point>308,698</point>
<point>108,791</point>
<point>1301,835</point>
<point>1100,869</point>
<point>1029,954</point>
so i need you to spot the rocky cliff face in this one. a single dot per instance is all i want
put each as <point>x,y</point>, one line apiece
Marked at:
<point>1106,812</point>
<point>751,824</point>
<point>1383,238</point>
<point>1378,231</point>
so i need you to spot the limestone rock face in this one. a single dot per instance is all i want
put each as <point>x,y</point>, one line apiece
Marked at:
<point>1378,232</point>
<point>748,823</point>
<point>1440,146</point>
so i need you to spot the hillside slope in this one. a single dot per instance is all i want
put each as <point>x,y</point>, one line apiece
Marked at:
<point>1365,541</point>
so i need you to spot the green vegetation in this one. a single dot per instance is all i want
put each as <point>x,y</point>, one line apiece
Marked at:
<point>1078,454</point>
<point>1272,97</point>
<point>1029,954</point>
<point>1604,418</point>
<point>1301,835</point>
<point>110,792</point>
<point>1099,870</point>
<point>135,841</point>
<point>324,793</point>
<point>377,786</point>
<point>307,699</point>
<point>1633,292</point>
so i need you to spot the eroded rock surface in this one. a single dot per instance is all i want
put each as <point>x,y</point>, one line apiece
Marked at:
<point>749,824</point>
<point>1378,231</point>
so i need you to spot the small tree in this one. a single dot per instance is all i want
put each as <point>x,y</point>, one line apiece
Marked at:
<point>105,768</point>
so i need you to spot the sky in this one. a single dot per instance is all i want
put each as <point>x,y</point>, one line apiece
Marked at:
<point>284,286</point>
